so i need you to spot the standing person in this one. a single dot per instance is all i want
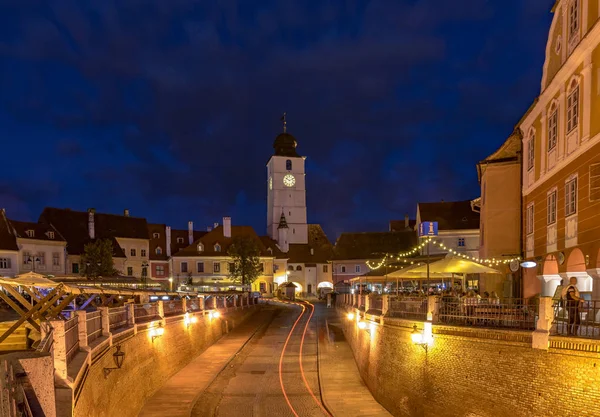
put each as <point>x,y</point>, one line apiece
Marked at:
<point>573,301</point>
<point>328,300</point>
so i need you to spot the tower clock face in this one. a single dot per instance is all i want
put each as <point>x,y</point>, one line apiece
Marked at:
<point>289,180</point>
<point>270,183</point>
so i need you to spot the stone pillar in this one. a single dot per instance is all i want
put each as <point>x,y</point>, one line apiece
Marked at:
<point>385,304</point>
<point>105,322</point>
<point>82,327</point>
<point>161,309</point>
<point>595,274</point>
<point>201,303</point>
<point>433,308</point>
<point>184,305</point>
<point>541,335</point>
<point>367,302</point>
<point>130,314</point>
<point>60,348</point>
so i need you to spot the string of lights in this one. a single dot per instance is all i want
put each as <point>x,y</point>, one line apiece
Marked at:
<point>416,250</point>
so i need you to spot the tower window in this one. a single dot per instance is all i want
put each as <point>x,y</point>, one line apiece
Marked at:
<point>288,164</point>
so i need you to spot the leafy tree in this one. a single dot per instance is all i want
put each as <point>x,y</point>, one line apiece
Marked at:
<point>246,266</point>
<point>97,259</point>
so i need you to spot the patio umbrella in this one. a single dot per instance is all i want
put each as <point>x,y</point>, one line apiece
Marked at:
<point>30,279</point>
<point>454,265</point>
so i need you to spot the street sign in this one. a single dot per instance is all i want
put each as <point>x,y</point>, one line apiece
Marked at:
<point>428,229</point>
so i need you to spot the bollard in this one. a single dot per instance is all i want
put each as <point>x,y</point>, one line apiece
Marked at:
<point>541,336</point>
<point>433,308</point>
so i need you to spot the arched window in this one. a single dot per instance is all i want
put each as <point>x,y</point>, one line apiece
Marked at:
<point>288,164</point>
<point>200,247</point>
<point>291,268</point>
<point>553,127</point>
<point>217,248</point>
<point>158,251</point>
<point>298,268</point>
<point>573,106</point>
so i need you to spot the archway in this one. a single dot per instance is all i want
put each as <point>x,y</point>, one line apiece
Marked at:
<point>299,287</point>
<point>325,284</point>
<point>550,277</point>
<point>576,268</point>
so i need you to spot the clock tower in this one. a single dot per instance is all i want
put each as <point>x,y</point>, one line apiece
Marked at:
<point>286,193</point>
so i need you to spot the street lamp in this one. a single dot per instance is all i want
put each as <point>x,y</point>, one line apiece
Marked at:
<point>32,261</point>
<point>424,338</point>
<point>118,357</point>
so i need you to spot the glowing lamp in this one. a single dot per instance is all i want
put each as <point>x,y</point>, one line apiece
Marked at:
<point>187,320</point>
<point>350,316</point>
<point>157,332</point>
<point>215,315</point>
<point>423,339</point>
<point>362,325</point>
<point>528,264</point>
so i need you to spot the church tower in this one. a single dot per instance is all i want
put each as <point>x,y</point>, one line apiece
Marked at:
<point>286,201</point>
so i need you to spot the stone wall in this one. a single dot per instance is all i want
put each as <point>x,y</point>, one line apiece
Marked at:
<point>472,372</point>
<point>148,364</point>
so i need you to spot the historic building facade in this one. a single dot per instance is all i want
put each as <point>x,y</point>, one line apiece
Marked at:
<point>561,162</point>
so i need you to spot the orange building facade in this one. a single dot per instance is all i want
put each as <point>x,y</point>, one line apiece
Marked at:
<point>561,157</point>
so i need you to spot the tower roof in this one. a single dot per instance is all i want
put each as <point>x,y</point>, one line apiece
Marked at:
<point>285,145</point>
<point>282,222</point>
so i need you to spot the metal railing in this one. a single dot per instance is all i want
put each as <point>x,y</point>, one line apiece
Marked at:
<point>375,302</point>
<point>414,308</point>
<point>93,324</point>
<point>193,305</point>
<point>576,319</point>
<point>145,312</point>
<point>46,344</point>
<point>514,313</point>
<point>72,337</point>
<point>173,307</point>
<point>117,317</point>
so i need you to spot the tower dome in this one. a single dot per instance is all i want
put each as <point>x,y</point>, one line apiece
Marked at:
<point>285,145</point>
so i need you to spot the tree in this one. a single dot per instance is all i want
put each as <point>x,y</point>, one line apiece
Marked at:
<point>97,259</point>
<point>246,266</point>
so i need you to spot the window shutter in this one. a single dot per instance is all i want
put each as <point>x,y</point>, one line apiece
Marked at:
<point>595,182</point>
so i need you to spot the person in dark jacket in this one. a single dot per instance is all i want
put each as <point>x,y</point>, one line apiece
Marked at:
<point>573,301</point>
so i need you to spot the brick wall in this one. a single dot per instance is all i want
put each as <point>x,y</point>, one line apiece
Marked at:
<point>473,373</point>
<point>148,365</point>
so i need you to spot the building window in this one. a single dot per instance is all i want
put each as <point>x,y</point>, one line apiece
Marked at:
<point>30,233</point>
<point>298,268</point>
<point>184,267</point>
<point>160,271</point>
<point>530,151</point>
<point>571,197</point>
<point>26,257</point>
<point>179,240</point>
<point>50,235</point>
<point>41,258</point>
<point>553,129</point>
<point>217,267</point>
<point>55,259</point>
<point>594,182</point>
<point>217,248</point>
<point>461,242</point>
<point>325,268</point>
<point>230,267</point>
<point>290,267</point>
<point>75,268</point>
<point>5,263</point>
<point>261,267</point>
<point>573,18</point>
<point>275,268</point>
<point>143,253</point>
<point>156,236</point>
<point>552,207</point>
<point>158,251</point>
<point>573,108</point>
<point>343,269</point>
<point>357,269</point>
<point>130,271</point>
<point>529,219</point>
<point>200,266</point>
<point>132,252</point>
<point>200,248</point>
<point>288,164</point>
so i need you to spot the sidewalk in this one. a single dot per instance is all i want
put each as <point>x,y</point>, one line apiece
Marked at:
<point>342,388</point>
<point>177,397</point>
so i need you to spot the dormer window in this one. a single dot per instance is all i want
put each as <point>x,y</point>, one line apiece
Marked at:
<point>158,251</point>
<point>30,233</point>
<point>200,247</point>
<point>50,235</point>
<point>156,235</point>
<point>217,248</point>
<point>270,251</point>
<point>179,240</point>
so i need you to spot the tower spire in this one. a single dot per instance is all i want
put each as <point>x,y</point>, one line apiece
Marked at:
<point>284,120</point>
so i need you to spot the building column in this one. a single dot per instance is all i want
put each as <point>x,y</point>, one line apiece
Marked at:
<point>541,335</point>
<point>433,306</point>
<point>595,274</point>
<point>105,323</point>
<point>59,348</point>
<point>586,72</point>
<point>82,328</point>
<point>549,284</point>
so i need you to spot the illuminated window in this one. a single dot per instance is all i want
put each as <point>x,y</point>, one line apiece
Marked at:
<point>200,247</point>
<point>529,219</point>
<point>553,128</point>
<point>531,151</point>
<point>551,207</point>
<point>571,197</point>
<point>573,107</point>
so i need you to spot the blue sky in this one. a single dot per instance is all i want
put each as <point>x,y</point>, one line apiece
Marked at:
<point>170,108</point>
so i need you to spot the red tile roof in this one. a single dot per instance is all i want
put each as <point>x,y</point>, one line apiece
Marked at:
<point>40,231</point>
<point>8,240</point>
<point>450,215</point>
<point>322,249</point>
<point>214,237</point>
<point>373,245</point>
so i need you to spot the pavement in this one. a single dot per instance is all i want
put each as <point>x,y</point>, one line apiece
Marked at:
<point>255,371</point>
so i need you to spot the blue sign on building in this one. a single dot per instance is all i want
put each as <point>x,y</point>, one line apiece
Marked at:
<point>428,229</point>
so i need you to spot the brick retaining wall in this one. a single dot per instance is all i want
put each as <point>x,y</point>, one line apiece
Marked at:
<point>472,373</point>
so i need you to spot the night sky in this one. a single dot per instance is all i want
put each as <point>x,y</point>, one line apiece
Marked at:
<point>170,107</point>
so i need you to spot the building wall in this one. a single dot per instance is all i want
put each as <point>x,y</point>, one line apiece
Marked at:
<point>153,270</point>
<point>463,374</point>
<point>34,248</point>
<point>500,210</point>
<point>14,263</point>
<point>135,261</point>
<point>350,266</point>
<point>450,239</point>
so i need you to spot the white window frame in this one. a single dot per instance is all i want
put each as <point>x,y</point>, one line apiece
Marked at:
<point>160,270</point>
<point>573,18</point>
<point>143,253</point>
<point>553,127</point>
<point>42,258</point>
<point>200,247</point>
<point>357,269</point>
<point>592,178</point>
<point>571,193</point>
<point>5,263</point>
<point>529,219</point>
<point>30,233</point>
<point>217,248</point>
<point>50,235</point>
<point>461,240</point>
<point>217,267</point>
<point>531,151</point>
<point>133,252</point>
<point>156,235</point>
<point>573,107</point>
<point>551,204</point>
<point>55,258</point>
<point>181,269</point>
<point>343,269</point>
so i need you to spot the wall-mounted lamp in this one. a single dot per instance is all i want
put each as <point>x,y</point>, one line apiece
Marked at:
<point>350,316</point>
<point>118,357</point>
<point>157,332</point>
<point>424,338</point>
<point>188,319</point>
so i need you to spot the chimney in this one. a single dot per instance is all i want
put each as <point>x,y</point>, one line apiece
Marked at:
<point>191,232</point>
<point>126,212</point>
<point>226,226</point>
<point>168,236</point>
<point>406,221</point>
<point>208,229</point>
<point>91,226</point>
<point>215,225</point>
